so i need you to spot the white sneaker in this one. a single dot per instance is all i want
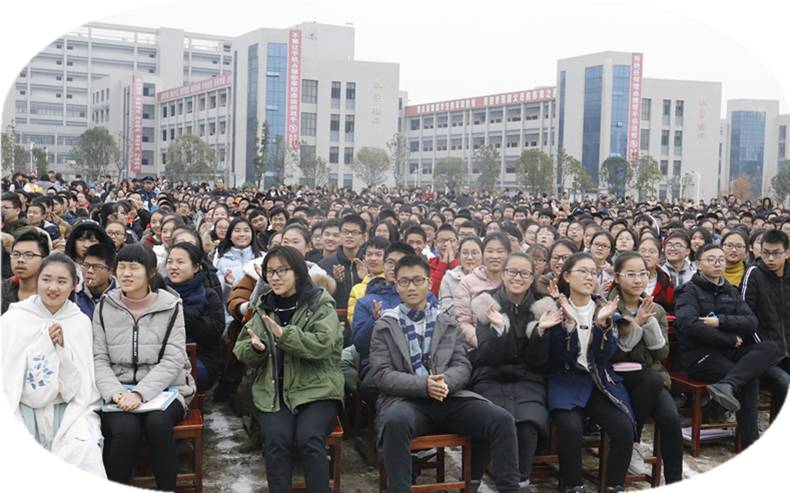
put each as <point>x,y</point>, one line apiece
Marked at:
<point>638,465</point>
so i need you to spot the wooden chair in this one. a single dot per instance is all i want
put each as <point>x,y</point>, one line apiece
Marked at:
<point>599,476</point>
<point>335,443</point>
<point>697,390</point>
<point>438,442</point>
<point>190,428</point>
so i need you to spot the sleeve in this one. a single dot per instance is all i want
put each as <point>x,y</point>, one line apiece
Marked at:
<point>362,327</point>
<point>317,339</point>
<point>742,322</point>
<point>687,323</point>
<point>628,338</point>
<point>387,379</point>
<point>445,296</point>
<point>606,346</point>
<point>353,296</point>
<point>206,329</point>
<point>659,347</point>
<point>653,335</point>
<point>164,373</point>
<point>438,269</point>
<point>536,354</point>
<point>459,369</point>
<point>239,295</point>
<point>69,378</point>
<point>463,313</point>
<point>106,380</point>
<point>490,345</point>
<point>751,289</point>
<point>244,351</point>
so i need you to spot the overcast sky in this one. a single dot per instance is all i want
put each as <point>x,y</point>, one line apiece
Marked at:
<point>447,50</point>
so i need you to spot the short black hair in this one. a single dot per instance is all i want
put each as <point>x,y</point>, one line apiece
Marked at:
<point>378,243</point>
<point>447,227</point>
<point>706,247</point>
<point>102,251</point>
<point>295,261</point>
<point>512,230</point>
<point>13,198</point>
<point>274,211</point>
<point>400,247</point>
<point>355,219</point>
<point>32,234</point>
<point>412,261</point>
<point>415,230</point>
<point>141,254</point>
<point>776,236</point>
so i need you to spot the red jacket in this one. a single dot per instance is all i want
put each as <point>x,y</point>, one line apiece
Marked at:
<point>438,268</point>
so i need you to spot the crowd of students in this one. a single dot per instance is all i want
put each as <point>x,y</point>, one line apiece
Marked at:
<point>491,315</point>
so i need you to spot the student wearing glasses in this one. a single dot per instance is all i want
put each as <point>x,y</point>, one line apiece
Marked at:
<point>512,351</point>
<point>97,277</point>
<point>678,265</point>
<point>30,248</point>
<point>420,367</point>
<point>643,339</point>
<point>659,284</point>
<point>342,264</point>
<point>735,249</point>
<point>601,246</point>
<point>716,329</point>
<point>581,382</point>
<point>291,348</point>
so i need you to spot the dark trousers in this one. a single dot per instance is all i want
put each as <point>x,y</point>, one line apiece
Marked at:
<point>777,378</point>
<point>649,398</point>
<point>476,418</point>
<point>527,434</point>
<point>741,368</point>
<point>122,433</point>
<point>570,438</point>
<point>307,429</point>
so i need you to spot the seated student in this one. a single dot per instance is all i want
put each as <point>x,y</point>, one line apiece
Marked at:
<point>447,243</point>
<point>716,332</point>
<point>292,348</point>
<point>470,256</point>
<point>764,292</point>
<point>374,265</point>
<point>204,318</point>
<point>341,265</point>
<point>36,216</point>
<point>29,250</point>
<point>416,237</point>
<point>677,264</point>
<point>418,364</point>
<point>139,341</point>
<point>86,232</point>
<point>581,381</point>
<point>97,278</point>
<point>60,414</point>
<point>643,339</point>
<point>508,365</point>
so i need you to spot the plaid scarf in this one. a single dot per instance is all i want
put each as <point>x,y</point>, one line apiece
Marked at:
<point>419,345</point>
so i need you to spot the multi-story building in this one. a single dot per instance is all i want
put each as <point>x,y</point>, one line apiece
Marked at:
<point>510,122</point>
<point>317,99</point>
<point>752,143</point>
<point>51,102</point>
<point>783,145</point>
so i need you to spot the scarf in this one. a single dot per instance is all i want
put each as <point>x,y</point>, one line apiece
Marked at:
<point>734,273</point>
<point>419,345</point>
<point>192,292</point>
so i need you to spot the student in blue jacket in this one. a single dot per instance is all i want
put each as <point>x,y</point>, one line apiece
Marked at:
<point>581,381</point>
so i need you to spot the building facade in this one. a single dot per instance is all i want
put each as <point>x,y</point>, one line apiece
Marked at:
<point>752,149</point>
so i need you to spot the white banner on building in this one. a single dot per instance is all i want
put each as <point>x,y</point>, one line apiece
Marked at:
<point>137,125</point>
<point>635,105</point>
<point>294,100</point>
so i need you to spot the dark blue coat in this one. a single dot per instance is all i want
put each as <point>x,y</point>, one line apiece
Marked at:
<point>569,386</point>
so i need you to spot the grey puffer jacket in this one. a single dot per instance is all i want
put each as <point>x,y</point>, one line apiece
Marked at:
<point>113,348</point>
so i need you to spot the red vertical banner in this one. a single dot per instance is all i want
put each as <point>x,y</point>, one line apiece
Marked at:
<point>137,125</point>
<point>294,99</point>
<point>635,112</point>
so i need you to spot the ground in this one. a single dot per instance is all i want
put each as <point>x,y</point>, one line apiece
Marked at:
<point>227,470</point>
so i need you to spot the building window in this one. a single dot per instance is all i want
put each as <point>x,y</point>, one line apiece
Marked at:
<point>335,94</point>
<point>334,155</point>
<point>189,106</point>
<point>512,141</point>
<point>441,121</point>
<point>478,117</point>
<point>334,127</point>
<point>456,144</point>
<point>678,142</point>
<point>351,95</point>
<point>646,109</point>
<point>180,107</point>
<point>414,146</point>
<point>148,111</point>
<point>514,115</point>
<point>621,90</point>
<point>222,126</point>
<point>427,145</point>
<point>149,89</point>
<point>457,120</point>
<point>172,110</point>
<point>678,113</point>
<point>591,134</point>
<point>202,130</point>
<point>172,134</point>
<point>441,144</point>
<point>477,143</point>
<point>164,135</point>
<point>348,155</point>
<point>427,167</point>
<point>665,112</point>
<point>212,102</point>
<point>309,91</point>
<point>747,148</point>
<point>212,128</point>
<point>644,140</point>
<point>664,167</point>
<point>223,99</point>
<point>495,116</point>
<point>413,166</point>
<point>675,168</point>
<point>309,124</point>
<point>164,158</point>
<point>201,103</point>
<point>664,142</point>
<point>414,123</point>
<point>427,122</point>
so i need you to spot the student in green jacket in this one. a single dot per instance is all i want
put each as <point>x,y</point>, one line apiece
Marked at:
<point>291,349</point>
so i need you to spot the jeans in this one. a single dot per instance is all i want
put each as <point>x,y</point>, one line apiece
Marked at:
<point>570,437</point>
<point>307,429</point>
<point>741,368</point>
<point>474,417</point>
<point>122,432</point>
<point>649,398</point>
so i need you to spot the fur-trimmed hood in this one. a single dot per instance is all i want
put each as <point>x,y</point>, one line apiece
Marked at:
<point>481,302</point>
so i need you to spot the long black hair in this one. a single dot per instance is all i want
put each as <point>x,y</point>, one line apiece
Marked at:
<point>60,258</point>
<point>226,243</point>
<point>569,264</point>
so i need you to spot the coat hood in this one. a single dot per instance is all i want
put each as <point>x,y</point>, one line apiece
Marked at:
<point>34,306</point>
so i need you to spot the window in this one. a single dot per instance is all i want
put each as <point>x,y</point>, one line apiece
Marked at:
<point>148,157</point>
<point>427,145</point>
<point>212,128</point>
<point>223,99</point>
<point>189,106</point>
<point>334,127</point>
<point>348,155</point>
<point>309,124</point>
<point>678,142</point>
<point>512,141</point>
<point>496,141</point>
<point>427,167</point>
<point>679,113</point>
<point>164,111</point>
<point>675,168</point>
<point>149,89</point>
<point>180,107</point>
<point>479,117</point>
<point>477,142</point>
<point>414,123</point>
<point>58,77</point>
<point>335,89</point>
<point>69,64</point>
<point>664,142</point>
<point>495,116</point>
<point>201,103</point>
<point>148,111</point>
<point>457,120</point>
<point>413,166</point>
<point>212,102</point>
<point>414,146</point>
<point>349,128</point>
<point>351,95</point>
<point>510,166</point>
<point>664,167</point>
<point>441,144</point>
<point>644,140</point>
<point>441,121</point>
<point>456,144</point>
<point>427,122</point>
<point>58,62</point>
<point>173,109</point>
<point>172,133</point>
<point>164,158</point>
<point>514,115</point>
<point>667,105</point>
<point>309,91</point>
<point>202,129</point>
<point>646,109</point>
<point>334,154</point>
<point>164,135</point>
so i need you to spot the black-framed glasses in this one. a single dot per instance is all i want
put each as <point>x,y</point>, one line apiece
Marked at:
<point>87,266</point>
<point>417,281</point>
<point>514,273</point>
<point>25,255</point>
<point>277,272</point>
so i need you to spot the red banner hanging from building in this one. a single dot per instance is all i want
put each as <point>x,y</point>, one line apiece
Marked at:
<point>294,100</point>
<point>635,113</point>
<point>136,161</point>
